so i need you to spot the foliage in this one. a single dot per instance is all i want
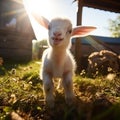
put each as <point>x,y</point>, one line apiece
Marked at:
<point>114,27</point>
<point>43,43</point>
<point>21,95</point>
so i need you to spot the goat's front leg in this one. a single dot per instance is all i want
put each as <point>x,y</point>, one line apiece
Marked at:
<point>48,89</point>
<point>68,88</point>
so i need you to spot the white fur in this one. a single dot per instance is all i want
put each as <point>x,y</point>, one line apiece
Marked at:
<point>57,61</point>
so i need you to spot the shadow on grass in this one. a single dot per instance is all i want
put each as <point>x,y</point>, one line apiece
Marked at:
<point>100,109</point>
<point>7,66</point>
<point>93,97</point>
<point>34,108</point>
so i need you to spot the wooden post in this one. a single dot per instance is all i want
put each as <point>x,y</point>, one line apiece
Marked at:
<point>77,42</point>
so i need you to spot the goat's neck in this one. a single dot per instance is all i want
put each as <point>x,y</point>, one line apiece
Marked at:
<point>58,54</point>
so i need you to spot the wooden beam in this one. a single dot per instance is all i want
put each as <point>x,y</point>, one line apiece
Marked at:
<point>77,42</point>
<point>108,5</point>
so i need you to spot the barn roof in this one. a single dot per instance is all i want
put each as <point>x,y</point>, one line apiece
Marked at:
<point>100,42</point>
<point>109,5</point>
<point>109,40</point>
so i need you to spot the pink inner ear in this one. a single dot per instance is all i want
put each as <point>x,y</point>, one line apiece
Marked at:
<point>41,20</point>
<point>82,30</point>
<point>44,22</point>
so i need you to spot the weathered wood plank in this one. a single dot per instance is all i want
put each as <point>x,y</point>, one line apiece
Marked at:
<point>15,45</point>
<point>16,54</point>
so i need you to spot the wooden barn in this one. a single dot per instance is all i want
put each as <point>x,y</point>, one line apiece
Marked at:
<point>16,32</point>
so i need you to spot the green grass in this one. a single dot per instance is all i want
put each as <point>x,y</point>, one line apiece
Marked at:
<point>21,92</point>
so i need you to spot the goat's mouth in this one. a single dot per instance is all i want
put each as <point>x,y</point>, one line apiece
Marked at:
<point>56,41</point>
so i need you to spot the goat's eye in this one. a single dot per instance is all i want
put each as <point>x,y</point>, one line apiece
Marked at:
<point>69,31</point>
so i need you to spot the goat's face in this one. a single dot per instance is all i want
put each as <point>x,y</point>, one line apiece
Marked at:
<point>60,31</point>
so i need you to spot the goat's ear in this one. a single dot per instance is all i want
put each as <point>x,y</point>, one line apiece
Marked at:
<point>41,20</point>
<point>81,31</point>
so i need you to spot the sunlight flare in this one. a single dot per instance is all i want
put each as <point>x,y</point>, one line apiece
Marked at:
<point>43,8</point>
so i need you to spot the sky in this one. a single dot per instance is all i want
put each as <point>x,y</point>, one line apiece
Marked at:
<point>66,8</point>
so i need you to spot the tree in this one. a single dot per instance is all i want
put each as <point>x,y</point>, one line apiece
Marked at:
<point>114,27</point>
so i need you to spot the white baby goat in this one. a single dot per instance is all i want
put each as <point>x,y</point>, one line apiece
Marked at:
<point>57,61</point>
